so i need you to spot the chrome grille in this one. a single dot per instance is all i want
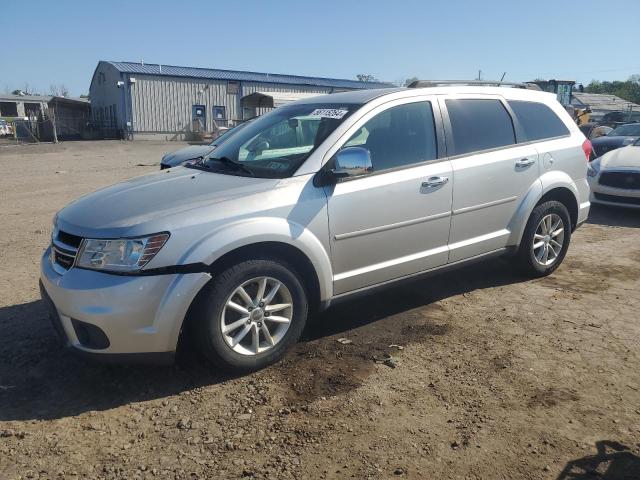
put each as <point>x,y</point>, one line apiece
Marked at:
<point>64,248</point>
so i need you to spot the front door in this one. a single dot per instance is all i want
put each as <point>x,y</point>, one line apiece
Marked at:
<point>492,174</point>
<point>199,118</point>
<point>395,221</point>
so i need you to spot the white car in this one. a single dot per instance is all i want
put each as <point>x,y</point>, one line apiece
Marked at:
<point>614,178</point>
<point>315,201</point>
<point>5,128</point>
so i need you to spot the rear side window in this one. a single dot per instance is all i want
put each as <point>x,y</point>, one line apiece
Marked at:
<point>479,124</point>
<point>538,120</point>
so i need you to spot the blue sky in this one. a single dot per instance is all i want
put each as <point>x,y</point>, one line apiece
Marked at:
<point>60,42</point>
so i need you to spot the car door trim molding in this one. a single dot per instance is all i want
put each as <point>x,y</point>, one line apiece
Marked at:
<point>413,276</point>
<point>390,226</point>
<point>481,238</point>
<point>480,206</point>
<point>390,263</point>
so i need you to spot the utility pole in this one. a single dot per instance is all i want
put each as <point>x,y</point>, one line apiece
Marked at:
<point>479,75</point>
<point>53,124</point>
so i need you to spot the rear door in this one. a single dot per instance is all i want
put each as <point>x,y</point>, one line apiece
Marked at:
<point>491,172</point>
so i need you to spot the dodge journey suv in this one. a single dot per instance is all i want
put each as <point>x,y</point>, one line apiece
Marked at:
<point>289,215</point>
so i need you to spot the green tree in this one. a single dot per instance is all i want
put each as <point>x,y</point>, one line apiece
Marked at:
<point>627,90</point>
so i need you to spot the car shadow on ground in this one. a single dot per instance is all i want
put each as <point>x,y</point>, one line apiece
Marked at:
<point>614,216</point>
<point>39,379</point>
<point>613,461</point>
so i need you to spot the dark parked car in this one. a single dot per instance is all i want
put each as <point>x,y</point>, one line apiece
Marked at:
<point>593,130</point>
<point>619,118</point>
<point>620,136</point>
<point>192,152</point>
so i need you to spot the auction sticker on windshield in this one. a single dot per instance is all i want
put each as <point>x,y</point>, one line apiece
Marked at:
<point>329,113</point>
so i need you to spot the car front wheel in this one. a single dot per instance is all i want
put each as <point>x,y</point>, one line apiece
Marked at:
<point>250,315</point>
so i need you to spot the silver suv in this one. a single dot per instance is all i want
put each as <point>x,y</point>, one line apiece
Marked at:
<point>291,214</point>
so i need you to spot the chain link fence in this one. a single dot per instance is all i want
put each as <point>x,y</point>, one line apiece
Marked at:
<point>60,127</point>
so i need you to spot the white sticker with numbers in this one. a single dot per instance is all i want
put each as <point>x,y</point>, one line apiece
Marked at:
<point>329,113</point>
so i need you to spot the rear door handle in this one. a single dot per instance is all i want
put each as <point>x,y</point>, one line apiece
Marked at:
<point>434,182</point>
<point>525,162</point>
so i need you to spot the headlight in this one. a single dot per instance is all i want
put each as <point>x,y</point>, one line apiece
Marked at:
<point>120,255</point>
<point>594,168</point>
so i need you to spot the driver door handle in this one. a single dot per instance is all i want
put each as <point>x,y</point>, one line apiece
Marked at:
<point>434,182</point>
<point>525,162</point>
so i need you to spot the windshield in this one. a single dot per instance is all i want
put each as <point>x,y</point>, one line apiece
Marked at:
<point>631,130</point>
<point>276,144</point>
<point>221,138</point>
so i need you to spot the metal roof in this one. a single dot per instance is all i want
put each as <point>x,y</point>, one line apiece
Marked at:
<point>602,101</point>
<point>41,98</point>
<point>217,74</point>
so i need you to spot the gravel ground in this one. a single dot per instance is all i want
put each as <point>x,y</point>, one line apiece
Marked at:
<point>493,375</point>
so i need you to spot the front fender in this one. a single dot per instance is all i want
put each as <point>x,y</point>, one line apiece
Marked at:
<point>547,182</point>
<point>255,230</point>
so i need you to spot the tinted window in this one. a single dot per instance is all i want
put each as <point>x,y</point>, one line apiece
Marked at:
<point>479,125</point>
<point>538,120</point>
<point>625,131</point>
<point>399,136</point>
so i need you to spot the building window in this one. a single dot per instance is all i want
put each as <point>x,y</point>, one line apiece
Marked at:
<point>248,112</point>
<point>32,110</point>
<point>220,114</point>
<point>233,88</point>
<point>8,109</point>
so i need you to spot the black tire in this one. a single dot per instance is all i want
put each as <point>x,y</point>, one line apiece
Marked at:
<point>206,322</point>
<point>525,257</point>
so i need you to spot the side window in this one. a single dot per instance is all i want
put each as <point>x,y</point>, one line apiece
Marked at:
<point>401,135</point>
<point>538,120</point>
<point>479,124</point>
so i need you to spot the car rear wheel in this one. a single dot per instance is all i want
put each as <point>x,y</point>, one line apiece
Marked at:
<point>250,315</point>
<point>546,239</point>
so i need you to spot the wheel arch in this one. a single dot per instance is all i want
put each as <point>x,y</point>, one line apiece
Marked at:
<point>285,252</point>
<point>567,198</point>
<point>277,250</point>
<point>257,238</point>
<point>556,186</point>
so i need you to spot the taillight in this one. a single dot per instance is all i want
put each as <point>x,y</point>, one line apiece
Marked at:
<point>587,148</point>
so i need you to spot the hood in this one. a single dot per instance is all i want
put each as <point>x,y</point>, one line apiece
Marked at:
<point>627,157</point>
<point>132,207</point>
<point>174,159</point>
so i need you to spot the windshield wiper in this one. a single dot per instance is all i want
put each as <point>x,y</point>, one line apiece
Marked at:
<point>234,164</point>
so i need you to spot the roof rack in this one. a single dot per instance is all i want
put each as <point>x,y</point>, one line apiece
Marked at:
<point>476,83</point>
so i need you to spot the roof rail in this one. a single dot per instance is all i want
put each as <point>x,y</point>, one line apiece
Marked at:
<point>476,83</point>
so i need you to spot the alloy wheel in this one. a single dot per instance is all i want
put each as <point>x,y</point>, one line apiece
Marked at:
<point>548,239</point>
<point>256,316</point>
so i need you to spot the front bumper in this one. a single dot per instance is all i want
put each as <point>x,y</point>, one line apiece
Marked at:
<point>614,197</point>
<point>137,314</point>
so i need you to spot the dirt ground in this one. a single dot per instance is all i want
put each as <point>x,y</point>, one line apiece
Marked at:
<point>497,376</point>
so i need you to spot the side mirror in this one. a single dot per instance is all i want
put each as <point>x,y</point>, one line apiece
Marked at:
<point>352,161</point>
